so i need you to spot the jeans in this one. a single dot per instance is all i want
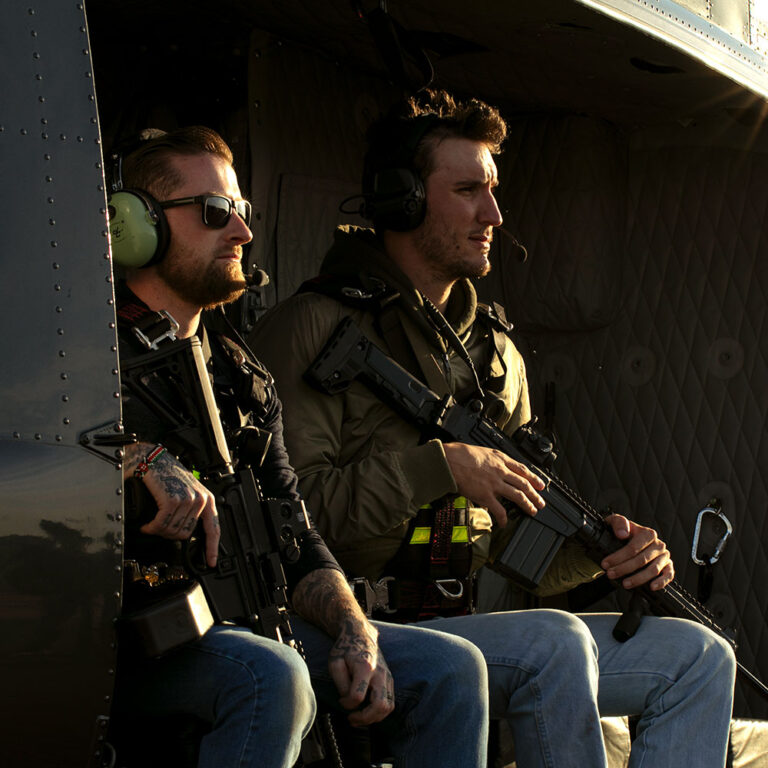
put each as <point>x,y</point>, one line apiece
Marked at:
<point>552,674</point>
<point>255,697</point>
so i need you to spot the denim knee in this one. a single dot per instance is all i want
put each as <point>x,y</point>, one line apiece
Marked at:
<point>708,652</point>
<point>461,662</point>
<point>277,681</point>
<point>566,639</point>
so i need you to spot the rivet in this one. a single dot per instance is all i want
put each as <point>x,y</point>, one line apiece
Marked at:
<point>16,435</point>
<point>60,331</point>
<point>59,438</point>
<point>64,376</point>
<point>23,131</point>
<point>62,353</point>
<point>38,436</point>
<point>55,265</point>
<point>67,420</point>
<point>54,244</point>
<point>59,309</point>
<point>116,395</point>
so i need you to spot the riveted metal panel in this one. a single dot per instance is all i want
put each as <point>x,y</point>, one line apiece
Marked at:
<point>60,503</point>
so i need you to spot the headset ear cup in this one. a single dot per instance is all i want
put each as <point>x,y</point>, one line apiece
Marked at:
<point>138,228</point>
<point>399,201</point>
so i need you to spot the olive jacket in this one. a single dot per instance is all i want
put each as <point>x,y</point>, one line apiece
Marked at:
<point>362,468</point>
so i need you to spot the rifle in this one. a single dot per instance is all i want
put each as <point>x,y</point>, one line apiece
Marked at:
<point>349,355</point>
<point>248,584</point>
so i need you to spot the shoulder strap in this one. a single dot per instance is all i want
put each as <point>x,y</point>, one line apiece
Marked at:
<point>359,291</point>
<point>370,294</point>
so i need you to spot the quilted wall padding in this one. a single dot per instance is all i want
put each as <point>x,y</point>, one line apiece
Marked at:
<point>308,119</point>
<point>561,195</point>
<point>666,406</point>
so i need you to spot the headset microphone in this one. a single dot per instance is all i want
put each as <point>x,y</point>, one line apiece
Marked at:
<point>519,249</point>
<point>258,278</point>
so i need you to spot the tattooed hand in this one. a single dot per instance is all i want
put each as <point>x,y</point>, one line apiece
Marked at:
<point>180,497</point>
<point>356,664</point>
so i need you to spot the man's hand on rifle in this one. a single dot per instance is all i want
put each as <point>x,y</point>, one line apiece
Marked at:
<point>486,475</point>
<point>356,664</point>
<point>181,499</point>
<point>644,558</point>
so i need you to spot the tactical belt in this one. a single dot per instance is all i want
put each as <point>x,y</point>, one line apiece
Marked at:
<point>430,574</point>
<point>407,600</point>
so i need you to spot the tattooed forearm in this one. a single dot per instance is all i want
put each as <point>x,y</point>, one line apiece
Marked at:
<point>165,468</point>
<point>323,598</point>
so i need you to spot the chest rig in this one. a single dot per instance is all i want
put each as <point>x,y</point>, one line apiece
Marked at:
<point>430,575</point>
<point>243,392</point>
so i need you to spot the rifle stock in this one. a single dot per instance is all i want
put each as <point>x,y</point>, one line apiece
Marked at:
<point>350,355</point>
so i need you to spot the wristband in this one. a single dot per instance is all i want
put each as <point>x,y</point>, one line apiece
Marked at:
<point>149,459</point>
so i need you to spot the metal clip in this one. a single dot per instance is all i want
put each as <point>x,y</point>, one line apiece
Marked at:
<point>158,331</point>
<point>355,293</point>
<point>713,508</point>
<point>372,597</point>
<point>457,585</point>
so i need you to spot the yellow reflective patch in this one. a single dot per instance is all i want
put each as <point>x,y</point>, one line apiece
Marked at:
<point>460,534</point>
<point>421,535</point>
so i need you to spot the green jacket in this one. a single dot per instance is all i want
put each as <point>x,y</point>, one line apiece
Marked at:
<point>360,465</point>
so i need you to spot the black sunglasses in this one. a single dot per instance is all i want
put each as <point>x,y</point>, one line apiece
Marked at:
<point>216,208</point>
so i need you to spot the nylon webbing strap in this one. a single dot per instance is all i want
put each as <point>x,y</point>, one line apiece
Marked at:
<point>442,531</point>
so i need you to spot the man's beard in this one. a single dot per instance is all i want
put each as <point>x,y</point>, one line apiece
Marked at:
<point>442,253</point>
<point>217,284</point>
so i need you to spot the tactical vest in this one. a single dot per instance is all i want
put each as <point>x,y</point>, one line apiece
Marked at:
<point>431,569</point>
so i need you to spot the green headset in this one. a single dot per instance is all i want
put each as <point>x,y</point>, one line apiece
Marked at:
<point>138,228</point>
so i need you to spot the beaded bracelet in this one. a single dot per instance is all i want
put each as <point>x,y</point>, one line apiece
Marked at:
<point>149,459</point>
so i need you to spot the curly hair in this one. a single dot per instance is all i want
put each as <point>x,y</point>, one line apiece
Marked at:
<point>410,131</point>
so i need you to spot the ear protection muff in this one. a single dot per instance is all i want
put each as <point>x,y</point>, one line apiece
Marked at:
<point>394,196</point>
<point>138,228</point>
<point>398,200</point>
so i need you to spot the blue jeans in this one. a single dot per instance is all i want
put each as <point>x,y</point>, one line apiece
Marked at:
<point>552,674</point>
<point>255,695</point>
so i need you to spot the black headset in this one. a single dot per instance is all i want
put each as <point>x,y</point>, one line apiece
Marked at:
<point>393,194</point>
<point>138,228</point>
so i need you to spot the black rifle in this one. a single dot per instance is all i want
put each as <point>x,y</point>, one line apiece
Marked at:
<point>349,355</point>
<point>248,584</point>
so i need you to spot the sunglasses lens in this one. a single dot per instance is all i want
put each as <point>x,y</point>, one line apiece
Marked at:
<point>243,208</point>
<point>216,211</point>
